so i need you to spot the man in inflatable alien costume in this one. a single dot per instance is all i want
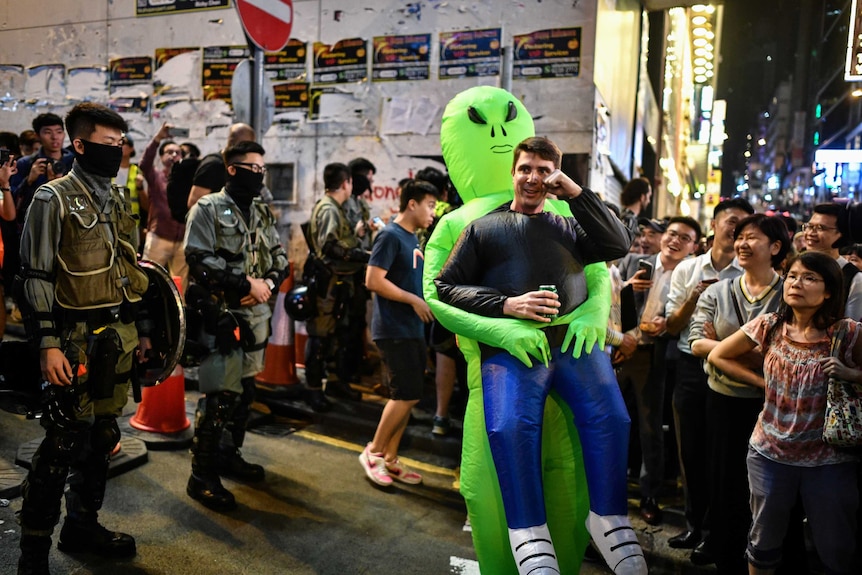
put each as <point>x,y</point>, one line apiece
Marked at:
<point>480,129</point>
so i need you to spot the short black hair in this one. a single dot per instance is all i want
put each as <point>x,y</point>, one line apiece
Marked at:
<point>434,177</point>
<point>634,190</point>
<point>45,120</point>
<point>28,138</point>
<point>687,221</point>
<point>739,203</point>
<point>851,250</point>
<point>361,166</point>
<point>828,209</point>
<point>416,190</point>
<point>774,228</point>
<point>194,151</point>
<point>334,175</point>
<point>240,149</point>
<point>165,144</point>
<point>81,121</point>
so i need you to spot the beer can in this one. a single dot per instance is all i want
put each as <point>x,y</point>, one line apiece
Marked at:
<point>552,288</point>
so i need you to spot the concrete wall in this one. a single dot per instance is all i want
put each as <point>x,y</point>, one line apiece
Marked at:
<point>90,33</point>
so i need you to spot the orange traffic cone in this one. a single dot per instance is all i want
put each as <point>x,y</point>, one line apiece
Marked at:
<point>280,358</point>
<point>162,410</point>
<point>163,407</point>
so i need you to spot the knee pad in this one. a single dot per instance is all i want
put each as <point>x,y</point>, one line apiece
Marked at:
<point>104,435</point>
<point>217,408</point>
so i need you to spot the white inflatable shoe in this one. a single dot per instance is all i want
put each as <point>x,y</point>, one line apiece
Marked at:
<point>534,551</point>
<point>616,540</point>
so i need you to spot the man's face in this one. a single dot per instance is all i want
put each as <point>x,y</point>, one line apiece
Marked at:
<point>678,242</point>
<point>423,212</point>
<point>821,232</point>
<point>51,138</point>
<point>650,240</point>
<point>855,260</point>
<point>724,225</point>
<point>528,180</point>
<point>171,155</point>
<point>646,199</point>
<point>101,135</point>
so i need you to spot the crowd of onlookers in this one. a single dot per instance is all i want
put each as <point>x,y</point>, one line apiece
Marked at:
<point>713,334</point>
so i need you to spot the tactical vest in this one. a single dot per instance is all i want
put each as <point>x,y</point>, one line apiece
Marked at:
<point>244,245</point>
<point>345,236</point>
<point>96,259</point>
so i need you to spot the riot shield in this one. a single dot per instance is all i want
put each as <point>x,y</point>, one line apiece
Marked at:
<point>163,305</point>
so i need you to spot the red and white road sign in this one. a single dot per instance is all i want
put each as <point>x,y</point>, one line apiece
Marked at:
<point>266,22</point>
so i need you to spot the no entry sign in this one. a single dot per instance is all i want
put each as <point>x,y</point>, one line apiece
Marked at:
<point>267,23</point>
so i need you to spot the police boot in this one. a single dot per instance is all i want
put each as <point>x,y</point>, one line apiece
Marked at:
<point>89,536</point>
<point>34,555</point>
<point>315,363</point>
<point>231,462</point>
<point>339,386</point>
<point>204,484</point>
<point>82,532</point>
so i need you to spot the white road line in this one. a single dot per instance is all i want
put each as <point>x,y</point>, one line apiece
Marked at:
<point>460,566</point>
<point>275,8</point>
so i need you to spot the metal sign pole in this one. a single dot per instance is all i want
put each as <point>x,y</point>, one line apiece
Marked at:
<point>258,112</point>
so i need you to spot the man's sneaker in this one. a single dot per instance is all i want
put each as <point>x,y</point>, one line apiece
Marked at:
<point>375,467</point>
<point>441,426</point>
<point>402,473</point>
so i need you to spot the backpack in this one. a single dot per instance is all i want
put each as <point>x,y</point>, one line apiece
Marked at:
<point>179,186</point>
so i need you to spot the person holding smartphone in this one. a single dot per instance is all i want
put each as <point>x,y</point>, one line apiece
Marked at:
<point>688,282</point>
<point>643,352</point>
<point>8,168</point>
<point>164,242</point>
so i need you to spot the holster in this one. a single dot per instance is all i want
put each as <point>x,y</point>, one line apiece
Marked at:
<point>103,352</point>
<point>316,275</point>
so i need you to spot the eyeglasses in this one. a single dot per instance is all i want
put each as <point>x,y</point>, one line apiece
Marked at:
<point>806,279</point>
<point>256,168</point>
<point>682,239</point>
<point>816,228</point>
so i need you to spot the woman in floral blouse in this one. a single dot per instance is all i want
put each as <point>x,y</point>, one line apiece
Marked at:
<point>787,458</point>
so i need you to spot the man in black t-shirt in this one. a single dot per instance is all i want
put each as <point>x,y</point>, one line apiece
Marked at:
<point>211,175</point>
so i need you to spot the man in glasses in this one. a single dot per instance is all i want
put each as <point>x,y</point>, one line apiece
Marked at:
<point>236,260</point>
<point>80,292</point>
<point>643,371</point>
<point>164,243</point>
<point>825,233</point>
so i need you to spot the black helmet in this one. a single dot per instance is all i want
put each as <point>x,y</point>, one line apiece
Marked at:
<point>299,304</point>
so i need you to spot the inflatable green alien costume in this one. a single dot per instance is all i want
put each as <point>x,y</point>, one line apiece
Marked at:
<point>481,127</point>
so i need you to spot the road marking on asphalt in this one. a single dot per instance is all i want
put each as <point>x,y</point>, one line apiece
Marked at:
<point>418,465</point>
<point>463,566</point>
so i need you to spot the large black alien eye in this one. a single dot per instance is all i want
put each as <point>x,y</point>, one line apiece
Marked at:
<point>474,116</point>
<point>512,113</point>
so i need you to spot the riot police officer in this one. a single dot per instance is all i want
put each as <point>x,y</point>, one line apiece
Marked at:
<point>236,261</point>
<point>336,258</point>
<point>79,288</point>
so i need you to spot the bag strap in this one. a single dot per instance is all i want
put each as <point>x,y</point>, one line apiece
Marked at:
<point>736,302</point>
<point>837,338</point>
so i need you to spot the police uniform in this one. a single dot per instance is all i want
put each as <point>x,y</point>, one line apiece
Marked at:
<point>223,245</point>
<point>80,283</point>
<point>336,245</point>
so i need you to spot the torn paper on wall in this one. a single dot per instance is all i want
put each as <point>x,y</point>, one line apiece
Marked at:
<point>46,85</point>
<point>12,86</point>
<point>179,75</point>
<point>87,84</point>
<point>408,115</point>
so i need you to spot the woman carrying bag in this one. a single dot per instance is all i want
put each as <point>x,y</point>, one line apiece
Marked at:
<point>787,457</point>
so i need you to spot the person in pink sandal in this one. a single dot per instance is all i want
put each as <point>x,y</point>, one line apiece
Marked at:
<point>394,275</point>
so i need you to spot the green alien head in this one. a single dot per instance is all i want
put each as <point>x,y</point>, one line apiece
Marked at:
<point>481,127</point>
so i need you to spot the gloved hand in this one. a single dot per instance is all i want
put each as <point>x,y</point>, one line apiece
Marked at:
<point>589,322</point>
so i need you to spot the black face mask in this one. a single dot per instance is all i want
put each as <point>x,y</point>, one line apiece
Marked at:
<point>245,185</point>
<point>100,159</point>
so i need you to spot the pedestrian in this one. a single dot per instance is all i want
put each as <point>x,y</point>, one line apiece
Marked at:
<point>502,266</point>
<point>81,284</point>
<point>761,243</point>
<point>236,260</point>
<point>786,456</point>
<point>7,214</point>
<point>395,277</point>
